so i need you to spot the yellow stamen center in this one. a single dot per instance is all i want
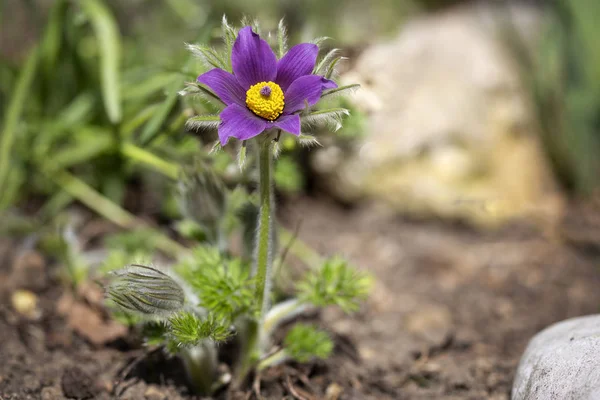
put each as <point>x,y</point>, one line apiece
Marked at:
<point>265,99</point>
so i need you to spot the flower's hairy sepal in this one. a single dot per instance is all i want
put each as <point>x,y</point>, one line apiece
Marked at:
<point>146,290</point>
<point>216,148</point>
<point>203,198</point>
<point>282,45</point>
<point>195,89</point>
<point>331,71</point>
<point>187,329</point>
<point>320,40</point>
<point>305,342</point>
<point>308,140</point>
<point>331,118</point>
<point>335,283</point>
<point>210,57</point>
<point>342,90</point>
<point>229,35</point>
<point>203,122</point>
<point>252,22</point>
<point>323,65</point>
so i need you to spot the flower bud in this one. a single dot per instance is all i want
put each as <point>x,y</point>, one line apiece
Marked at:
<point>203,199</point>
<point>145,290</point>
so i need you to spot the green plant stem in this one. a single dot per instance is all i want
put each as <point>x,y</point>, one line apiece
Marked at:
<point>276,358</point>
<point>264,237</point>
<point>201,365</point>
<point>281,313</point>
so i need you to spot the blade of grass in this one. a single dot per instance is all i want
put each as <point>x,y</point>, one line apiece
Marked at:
<point>13,114</point>
<point>108,37</point>
<point>107,209</point>
<point>52,39</point>
<point>145,157</point>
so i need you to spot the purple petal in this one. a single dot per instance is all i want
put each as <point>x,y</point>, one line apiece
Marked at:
<point>240,123</point>
<point>298,61</point>
<point>289,123</point>
<point>225,85</point>
<point>329,84</point>
<point>252,59</point>
<point>306,88</point>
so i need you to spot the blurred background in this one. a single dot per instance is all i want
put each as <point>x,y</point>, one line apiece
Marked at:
<point>472,110</point>
<point>476,124</point>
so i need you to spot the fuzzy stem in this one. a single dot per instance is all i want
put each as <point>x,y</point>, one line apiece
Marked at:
<point>279,314</point>
<point>274,359</point>
<point>201,366</point>
<point>264,238</point>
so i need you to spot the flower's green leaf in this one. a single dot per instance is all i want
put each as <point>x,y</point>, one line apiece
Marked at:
<point>187,329</point>
<point>223,286</point>
<point>335,283</point>
<point>305,342</point>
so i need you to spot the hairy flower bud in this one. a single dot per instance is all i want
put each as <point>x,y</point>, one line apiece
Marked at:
<point>203,199</point>
<point>145,290</point>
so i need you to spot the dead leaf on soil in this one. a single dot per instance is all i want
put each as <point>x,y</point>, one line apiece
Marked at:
<point>88,322</point>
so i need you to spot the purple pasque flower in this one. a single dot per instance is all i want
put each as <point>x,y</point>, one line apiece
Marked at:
<point>264,92</point>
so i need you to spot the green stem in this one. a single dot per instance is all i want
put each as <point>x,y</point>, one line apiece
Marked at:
<point>201,365</point>
<point>274,359</point>
<point>264,237</point>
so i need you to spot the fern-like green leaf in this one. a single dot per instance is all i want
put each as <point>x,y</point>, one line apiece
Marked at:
<point>335,283</point>
<point>305,342</point>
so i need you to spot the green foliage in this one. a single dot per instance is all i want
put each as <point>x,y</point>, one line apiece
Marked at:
<point>288,176</point>
<point>304,342</point>
<point>335,283</point>
<point>562,75</point>
<point>223,286</point>
<point>187,329</point>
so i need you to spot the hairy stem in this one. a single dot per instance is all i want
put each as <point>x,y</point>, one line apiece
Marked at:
<point>201,366</point>
<point>274,359</point>
<point>279,314</point>
<point>264,238</point>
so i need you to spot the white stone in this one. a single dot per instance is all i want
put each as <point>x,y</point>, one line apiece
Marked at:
<point>449,131</point>
<point>562,362</point>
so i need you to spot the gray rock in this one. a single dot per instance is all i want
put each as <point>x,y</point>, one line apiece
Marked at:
<point>562,362</point>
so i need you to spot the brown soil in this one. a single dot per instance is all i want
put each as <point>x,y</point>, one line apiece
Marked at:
<point>451,312</point>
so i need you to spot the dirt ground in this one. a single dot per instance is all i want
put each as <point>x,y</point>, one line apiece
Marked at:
<point>450,314</point>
